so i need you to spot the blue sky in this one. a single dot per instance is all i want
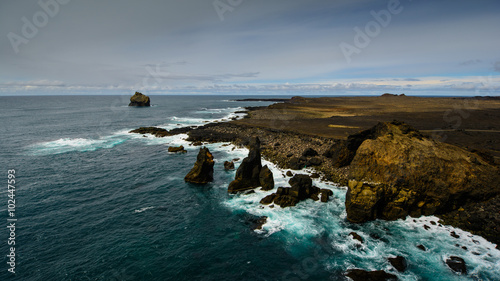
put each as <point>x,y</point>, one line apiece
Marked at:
<point>288,47</point>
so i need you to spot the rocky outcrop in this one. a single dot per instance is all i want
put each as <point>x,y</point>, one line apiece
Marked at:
<point>363,201</point>
<point>479,218</point>
<point>325,195</point>
<point>396,172</point>
<point>266,178</point>
<point>248,173</point>
<point>160,132</point>
<point>203,169</point>
<point>138,99</point>
<point>356,236</point>
<point>157,132</point>
<point>229,165</point>
<point>399,263</point>
<point>457,264</point>
<point>301,189</point>
<point>177,149</point>
<point>309,152</point>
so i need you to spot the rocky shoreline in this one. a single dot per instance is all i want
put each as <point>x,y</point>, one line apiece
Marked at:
<point>296,150</point>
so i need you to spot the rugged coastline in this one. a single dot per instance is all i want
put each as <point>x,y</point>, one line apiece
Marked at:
<point>311,133</point>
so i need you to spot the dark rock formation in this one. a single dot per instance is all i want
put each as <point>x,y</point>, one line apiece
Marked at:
<point>399,263</point>
<point>268,199</point>
<point>480,218</point>
<point>309,152</point>
<point>229,165</point>
<point>421,247</point>
<point>283,198</point>
<point>203,170</point>
<point>248,173</point>
<point>266,178</point>
<point>258,223</point>
<point>410,174</point>
<point>160,132</point>
<point>363,275</point>
<point>457,264</point>
<point>301,189</point>
<point>139,99</point>
<point>315,161</point>
<point>296,163</point>
<point>289,174</point>
<point>325,195</point>
<point>357,237</point>
<point>174,149</point>
<point>157,132</point>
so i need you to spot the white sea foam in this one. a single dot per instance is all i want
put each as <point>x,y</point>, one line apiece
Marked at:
<point>143,209</point>
<point>382,239</point>
<point>64,145</point>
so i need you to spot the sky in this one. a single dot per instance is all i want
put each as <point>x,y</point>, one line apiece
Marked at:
<point>282,47</point>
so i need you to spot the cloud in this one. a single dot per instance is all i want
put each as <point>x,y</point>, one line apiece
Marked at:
<point>184,45</point>
<point>406,79</point>
<point>470,62</point>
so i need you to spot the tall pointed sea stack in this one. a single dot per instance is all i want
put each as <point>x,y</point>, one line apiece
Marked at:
<point>203,170</point>
<point>138,99</point>
<point>248,173</point>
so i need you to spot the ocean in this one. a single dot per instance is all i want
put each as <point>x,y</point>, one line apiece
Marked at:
<point>94,202</point>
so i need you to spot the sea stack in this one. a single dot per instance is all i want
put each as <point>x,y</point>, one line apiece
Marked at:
<point>248,173</point>
<point>138,99</point>
<point>203,170</point>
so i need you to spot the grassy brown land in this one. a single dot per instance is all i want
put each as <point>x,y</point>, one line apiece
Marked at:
<point>473,123</point>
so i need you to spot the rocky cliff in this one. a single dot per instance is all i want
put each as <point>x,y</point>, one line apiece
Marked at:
<point>395,171</point>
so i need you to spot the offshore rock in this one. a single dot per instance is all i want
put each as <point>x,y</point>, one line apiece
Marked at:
<point>399,263</point>
<point>301,189</point>
<point>229,165</point>
<point>325,195</point>
<point>357,237</point>
<point>266,178</point>
<point>203,170</point>
<point>248,173</point>
<point>396,172</point>
<point>157,132</point>
<point>457,264</point>
<point>138,99</point>
<point>179,149</point>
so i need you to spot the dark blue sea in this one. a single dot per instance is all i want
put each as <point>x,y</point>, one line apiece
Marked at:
<point>94,202</point>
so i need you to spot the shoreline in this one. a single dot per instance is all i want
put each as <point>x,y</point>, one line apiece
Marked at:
<point>287,129</point>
